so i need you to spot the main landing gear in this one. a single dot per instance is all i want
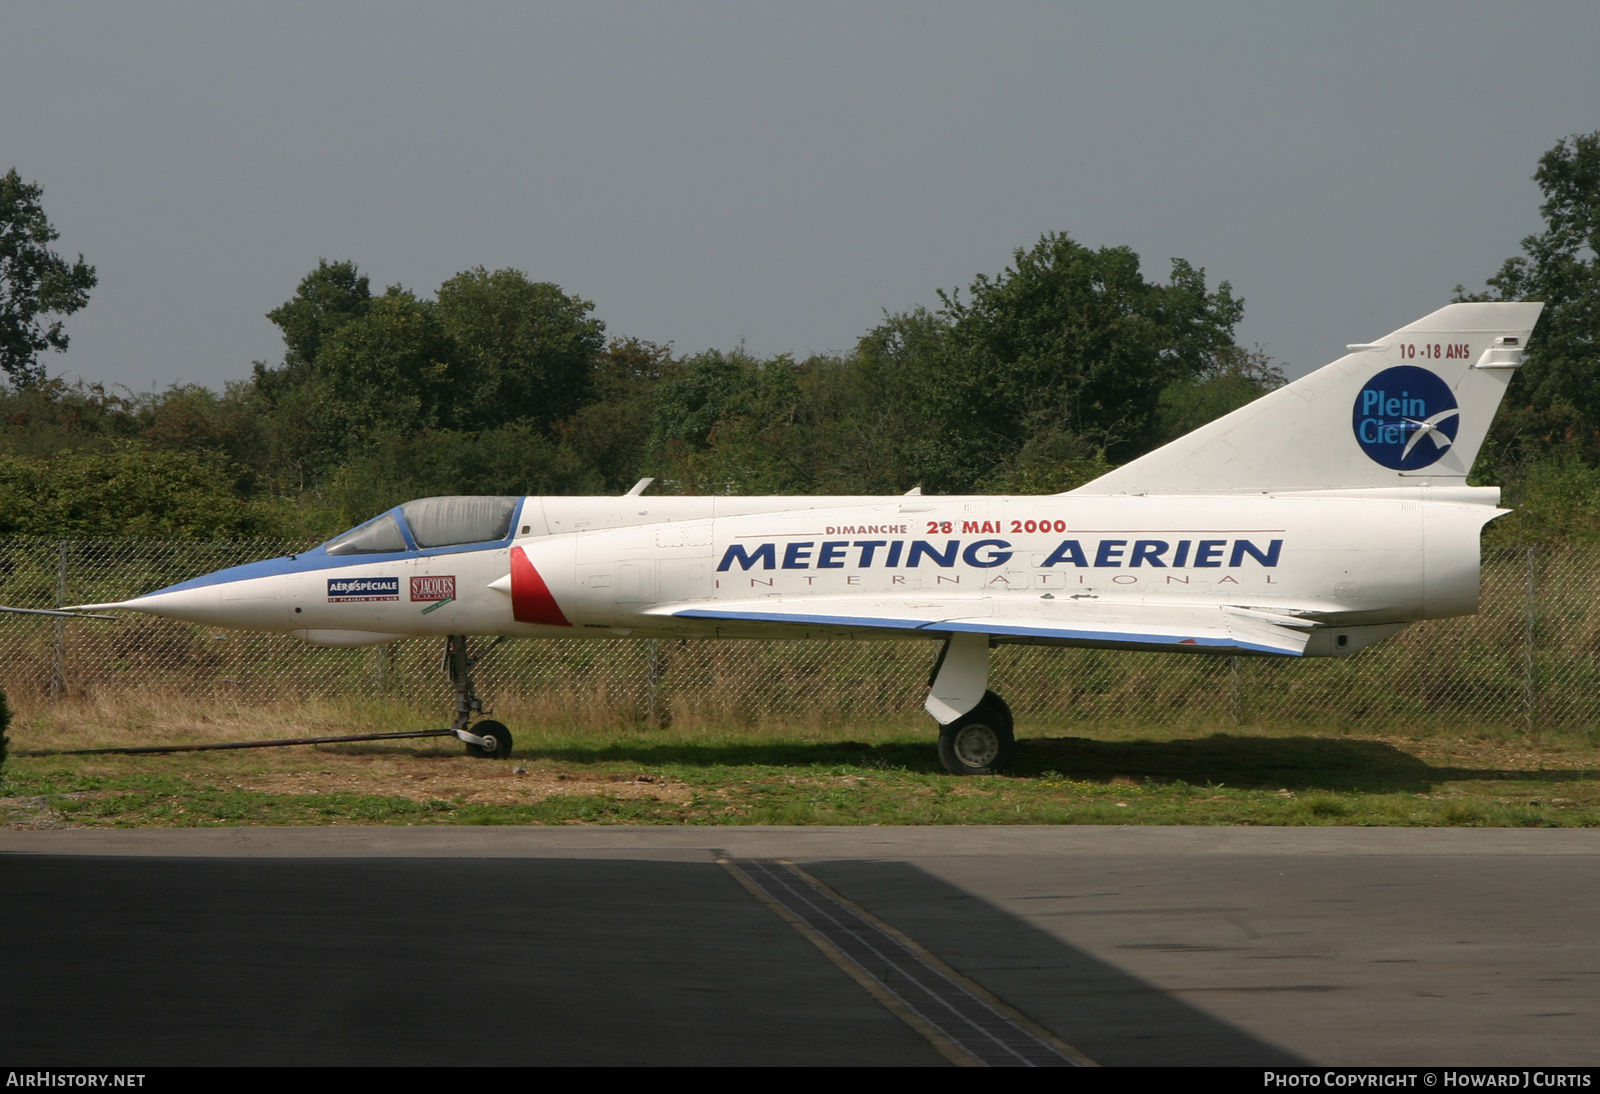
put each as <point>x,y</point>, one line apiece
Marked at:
<point>975,727</point>
<point>488,739</point>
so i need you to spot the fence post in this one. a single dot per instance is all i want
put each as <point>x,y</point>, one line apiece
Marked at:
<point>654,678</point>
<point>1233,689</point>
<point>58,668</point>
<point>1530,626</point>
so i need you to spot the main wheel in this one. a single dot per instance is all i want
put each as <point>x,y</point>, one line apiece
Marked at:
<point>979,742</point>
<point>497,741</point>
<point>995,707</point>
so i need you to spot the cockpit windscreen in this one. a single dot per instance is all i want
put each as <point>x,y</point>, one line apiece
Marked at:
<point>445,522</point>
<point>379,536</point>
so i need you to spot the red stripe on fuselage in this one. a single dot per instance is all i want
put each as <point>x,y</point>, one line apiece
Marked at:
<point>531,601</point>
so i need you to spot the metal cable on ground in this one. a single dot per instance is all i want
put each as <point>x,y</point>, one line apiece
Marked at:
<point>238,744</point>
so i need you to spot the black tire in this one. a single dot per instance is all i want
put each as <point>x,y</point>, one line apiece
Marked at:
<point>995,707</point>
<point>495,732</point>
<point>980,742</point>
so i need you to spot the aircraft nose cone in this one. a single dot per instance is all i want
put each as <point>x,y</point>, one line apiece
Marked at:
<point>260,603</point>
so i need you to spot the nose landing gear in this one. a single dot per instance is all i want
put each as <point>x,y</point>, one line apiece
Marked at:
<point>489,740</point>
<point>496,740</point>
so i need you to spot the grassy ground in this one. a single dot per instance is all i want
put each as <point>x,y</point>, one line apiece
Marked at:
<point>886,774</point>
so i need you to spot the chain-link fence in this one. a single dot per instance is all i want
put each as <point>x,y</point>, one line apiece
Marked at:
<point>1529,659</point>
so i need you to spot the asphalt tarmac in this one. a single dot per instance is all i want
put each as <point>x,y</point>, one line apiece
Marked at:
<point>1130,946</point>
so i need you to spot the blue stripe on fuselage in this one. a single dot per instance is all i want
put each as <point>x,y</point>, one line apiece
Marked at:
<point>319,559</point>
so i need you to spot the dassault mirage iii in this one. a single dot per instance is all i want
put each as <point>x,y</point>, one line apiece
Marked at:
<point>1314,522</point>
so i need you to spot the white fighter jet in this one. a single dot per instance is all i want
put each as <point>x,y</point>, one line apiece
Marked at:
<point>1314,522</point>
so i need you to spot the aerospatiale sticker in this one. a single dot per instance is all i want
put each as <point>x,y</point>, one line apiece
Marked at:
<point>350,590</point>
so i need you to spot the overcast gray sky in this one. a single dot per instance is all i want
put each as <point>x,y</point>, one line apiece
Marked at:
<point>776,173</point>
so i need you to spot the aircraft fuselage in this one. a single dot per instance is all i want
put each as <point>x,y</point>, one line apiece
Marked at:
<point>619,567</point>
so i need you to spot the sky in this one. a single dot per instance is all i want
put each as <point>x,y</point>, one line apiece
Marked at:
<point>776,175</point>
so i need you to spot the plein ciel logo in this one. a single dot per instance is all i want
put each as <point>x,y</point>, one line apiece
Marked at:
<point>1406,418</point>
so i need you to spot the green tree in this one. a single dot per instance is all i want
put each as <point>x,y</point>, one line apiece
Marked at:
<point>54,414</point>
<point>130,489</point>
<point>880,409</point>
<point>327,298</point>
<point>694,396</point>
<point>393,370</point>
<point>733,424</point>
<point>765,441</point>
<point>1060,359</point>
<point>192,418</point>
<point>612,433</point>
<point>1233,378</point>
<point>35,282</point>
<point>285,399</point>
<point>1077,341</point>
<point>1553,403</point>
<point>528,350</point>
<point>698,392</point>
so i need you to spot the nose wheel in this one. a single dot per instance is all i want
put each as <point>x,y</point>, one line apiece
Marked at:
<point>980,742</point>
<point>496,741</point>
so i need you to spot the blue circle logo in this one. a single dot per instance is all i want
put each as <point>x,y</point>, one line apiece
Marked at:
<point>1406,418</point>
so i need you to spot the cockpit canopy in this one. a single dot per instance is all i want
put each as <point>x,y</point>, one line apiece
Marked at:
<point>431,522</point>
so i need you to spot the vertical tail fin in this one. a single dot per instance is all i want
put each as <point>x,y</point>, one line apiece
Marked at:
<point>1411,409</point>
